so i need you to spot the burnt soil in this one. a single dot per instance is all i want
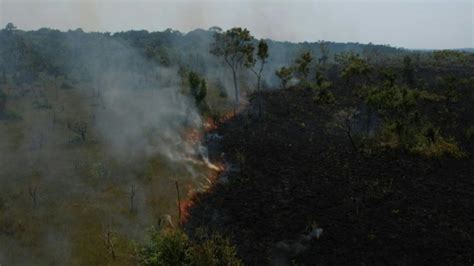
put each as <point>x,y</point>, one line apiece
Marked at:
<point>378,208</point>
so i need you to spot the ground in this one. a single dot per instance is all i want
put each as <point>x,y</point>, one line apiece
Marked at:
<point>290,172</point>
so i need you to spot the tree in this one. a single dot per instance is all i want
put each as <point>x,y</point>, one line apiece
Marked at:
<point>302,64</point>
<point>194,82</point>
<point>324,48</point>
<point>215,29</point>
<point>344,120</point>
<point>235,46</point>
<point>182,72</point>
<point>3,102</point>
<point>202,92</point>
<point>356,71</point>
<point>10,27</point>
<point>175,247</point>
<point>262,55</point>
<point>284,74</point>
<point>408,71</point>
<point>198,87</point>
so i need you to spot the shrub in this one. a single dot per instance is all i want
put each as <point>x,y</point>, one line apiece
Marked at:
<point>470,133</point>
<point>174,247</point>
<point>212,249</point>
<point>440,148</point>
<point>165,248</point>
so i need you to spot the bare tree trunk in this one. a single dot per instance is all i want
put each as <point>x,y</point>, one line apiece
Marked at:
<point>349,135</point>
<point>236,88</point>
<point>179,201</point>
<point>32,192</point>
<point>259,92</point>
<point>132,197</point>
<point>109,243</point>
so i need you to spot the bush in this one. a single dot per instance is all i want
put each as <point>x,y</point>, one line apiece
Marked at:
<point>440,148</point>
<point>212,250</point>
<point>173,247</point>
<point>470,133</point>
<point>324,96</point>
<point>166,248</point>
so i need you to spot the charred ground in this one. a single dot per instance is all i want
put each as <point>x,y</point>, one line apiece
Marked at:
<point>291,172</point>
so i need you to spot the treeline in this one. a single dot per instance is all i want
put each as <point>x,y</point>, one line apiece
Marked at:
<point>25,54</point>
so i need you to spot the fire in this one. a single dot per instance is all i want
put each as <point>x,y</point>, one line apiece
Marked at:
<point>194,137</point>
<point>210,124</point>
<point>185,206</point>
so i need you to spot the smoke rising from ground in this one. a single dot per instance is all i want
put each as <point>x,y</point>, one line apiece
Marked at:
<point>60,192</point>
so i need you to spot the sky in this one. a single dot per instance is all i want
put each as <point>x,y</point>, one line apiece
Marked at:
<point>415,24</point>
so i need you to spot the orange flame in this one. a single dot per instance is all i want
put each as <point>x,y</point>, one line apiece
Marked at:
<point>194,136</point>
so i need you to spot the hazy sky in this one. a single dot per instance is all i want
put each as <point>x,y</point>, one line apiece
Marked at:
<point>405,23</point>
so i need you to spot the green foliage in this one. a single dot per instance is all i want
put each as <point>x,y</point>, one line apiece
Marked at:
<point>302,64</point>
<point>202,91</point>
<point>325,97</point>
<point>450,87</point>
<point>165,248</point>
<point>198,87</point>
<point>422,139</point>
<point>284,74</point>
<point>355,69</point>
<point>236,47</point>
<point>408,71</point>
<point>323,93</point>
<point>194,82</point>
<point>388,77</point>
<point>262,52</point>
<point>212,249</point>
<point>470,133</point>
<point>449,56</point>
<point>174,247</point>
<point>98,171</point>
<point>398,102</point>
<point>404,126</point>
<point>431,144</point>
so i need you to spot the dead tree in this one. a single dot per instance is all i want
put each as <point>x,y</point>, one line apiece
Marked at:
<point>179,201</point>
<point>132,197</point>
<point>55,115</point>
<point>344,120</point>
<point>3,102</point>
<point>32,192</point>
<point>110,243</point>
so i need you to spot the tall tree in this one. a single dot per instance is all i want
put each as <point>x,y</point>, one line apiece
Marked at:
<point>302,64</point>
<point>198,87</point>
<point>408,71</point>
<point>3,102</point>
<point>262,55</point>
<point>235,46</point>
<point>324,49</point>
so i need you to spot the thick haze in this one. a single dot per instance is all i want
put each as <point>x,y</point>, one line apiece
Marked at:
<point>411,24</point>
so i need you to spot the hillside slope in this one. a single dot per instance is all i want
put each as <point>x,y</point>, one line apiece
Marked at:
<point>292,173</point>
